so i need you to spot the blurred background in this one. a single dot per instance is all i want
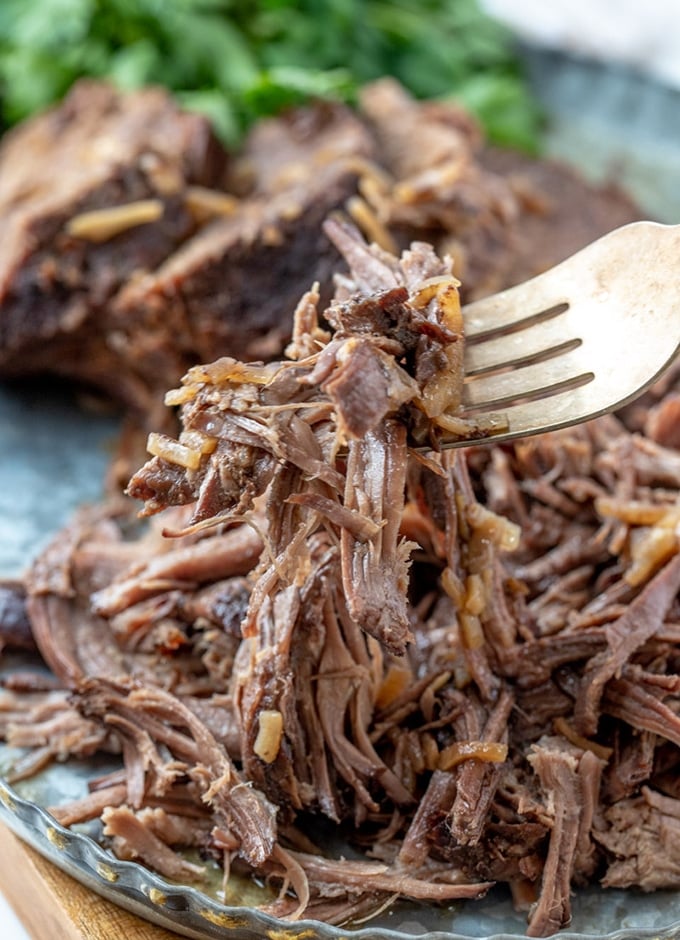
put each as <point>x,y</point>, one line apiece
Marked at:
<point>607,73</point>
<point>594,81</point>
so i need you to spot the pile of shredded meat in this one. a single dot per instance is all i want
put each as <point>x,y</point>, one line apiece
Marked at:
<point>465,663</point>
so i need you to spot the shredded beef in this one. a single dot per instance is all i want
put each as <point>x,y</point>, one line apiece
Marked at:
<point>464,663</point>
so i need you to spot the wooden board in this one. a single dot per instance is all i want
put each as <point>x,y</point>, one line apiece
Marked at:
<point>53,906</point>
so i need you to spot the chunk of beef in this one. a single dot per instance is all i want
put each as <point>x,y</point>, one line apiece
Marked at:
<point>282,152</point>
<point>134,838</point>
<point>233,287</point>
<point>438,186</point>
<point>641,839</point>
<point>15,626</point>
<point>478,780</point>
<point>375,571</point>
<point>559,213</point>
<point>503,216</point>
<point>167,619</point>
<point>135,711</point>
<point>99,150</point>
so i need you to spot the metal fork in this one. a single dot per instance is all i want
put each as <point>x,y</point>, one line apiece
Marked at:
<point>577,341</point>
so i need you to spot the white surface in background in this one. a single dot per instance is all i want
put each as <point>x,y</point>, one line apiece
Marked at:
<point>642,34</point>
<point>10,926</point>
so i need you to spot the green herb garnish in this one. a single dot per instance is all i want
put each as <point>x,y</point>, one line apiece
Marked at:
<point>237,60</point>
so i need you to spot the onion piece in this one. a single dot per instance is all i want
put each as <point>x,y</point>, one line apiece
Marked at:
<point>197,440</point>
<point>180,396</point>
<point>462,428</point>
<point>471,632</point>
<point>492,752</point>
<point>227,369</point>
<point>269,734</point>
<point>397,679</point>
<point>160,445</point>
<point>499,530</point>
<point>475,594</point>
<point>562,726</point>
<point>205,204</point>
<point>650,551</point>
<point>370,224</point>
<point>443,392</point>
<point>631,511</point>
<point>100,225</point>
<point>429,289</point>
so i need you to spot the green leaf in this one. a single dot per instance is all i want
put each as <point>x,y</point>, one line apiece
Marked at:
<point>287,85</point>
<point>500,103</point>
<point>217,107</point>
<point>242,58</point>
<point>135,65</point>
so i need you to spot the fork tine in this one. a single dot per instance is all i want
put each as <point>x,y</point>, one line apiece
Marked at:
<point>509,309</point>
<point>564,408</point>
<point>508,350</point>
<point>575,342</point>
<point>485,364</point>
<point>499,389</point>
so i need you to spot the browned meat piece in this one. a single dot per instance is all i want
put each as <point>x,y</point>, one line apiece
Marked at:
<point>99,150</point>
<point>455,810</point>
<point>50,728</point>
<point>439,187</point>
<point>503,216</point>
<point>375,571</point>
<point>282,152</point>
<point>90,806</point>
<point>433,809</point>
<point>137,711</point>
<point>172,620</point>
<point>359,877</point>
<point>15,626</point>
<point>233,553</point>
<point>305,725</point>
<point>559,213</point>
<point>663,421</point>
<point>631,764</point>
<point>478,780</point>
<point>233,287</point>
<point>638,702</point>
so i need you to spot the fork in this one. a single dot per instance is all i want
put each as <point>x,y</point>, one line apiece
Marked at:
<point>580,340</point>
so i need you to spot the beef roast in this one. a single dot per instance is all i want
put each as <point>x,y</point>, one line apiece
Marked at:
<point>212,253</point>
<point>99,150</point>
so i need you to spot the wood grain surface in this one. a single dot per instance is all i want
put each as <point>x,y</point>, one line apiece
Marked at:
<point>53,906</point>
